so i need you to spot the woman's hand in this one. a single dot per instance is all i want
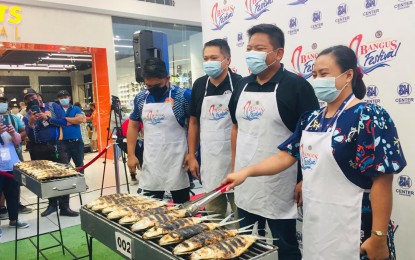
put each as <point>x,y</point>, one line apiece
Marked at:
<point>236,178</point>
<point>11,130</point>
<point>375,248</point>
<point>3,128</point>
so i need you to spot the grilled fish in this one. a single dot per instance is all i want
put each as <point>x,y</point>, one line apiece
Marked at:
<point>203,239</point>
<point>139,205</point>
<point>118,201</point>
<point>157,219</point>
<point>105,198</point>
<point>225,249</point>
<point>167,227</point>
<point>134,216</point>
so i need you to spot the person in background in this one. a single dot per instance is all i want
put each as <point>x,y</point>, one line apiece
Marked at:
<point>84,131</point>
<point>265,108</point>
<point>349,152</point>
<point>72,137</point>
<point>43,123</point>
<point>94,121</point>
<point>210,122</point>
<point>164,110</point>
<point>15,110</point>
<point>23,108</point>
<point>9,139</point>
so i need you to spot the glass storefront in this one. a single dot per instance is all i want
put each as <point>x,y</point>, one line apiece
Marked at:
<point>185,54</point>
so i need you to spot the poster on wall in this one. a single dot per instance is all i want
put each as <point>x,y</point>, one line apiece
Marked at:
<point>376,30</point>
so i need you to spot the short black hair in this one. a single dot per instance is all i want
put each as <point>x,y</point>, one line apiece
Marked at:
<point>221,44</point>
<point>275,34</point>
<point>154,68</point>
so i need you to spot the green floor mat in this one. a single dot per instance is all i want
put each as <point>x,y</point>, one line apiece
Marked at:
<point>74,239</point>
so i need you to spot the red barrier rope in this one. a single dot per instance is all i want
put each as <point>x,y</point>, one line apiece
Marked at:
<point>6,174</point>
<point>94,159</point>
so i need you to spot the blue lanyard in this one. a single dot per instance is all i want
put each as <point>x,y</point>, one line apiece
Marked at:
<point>323,127</point>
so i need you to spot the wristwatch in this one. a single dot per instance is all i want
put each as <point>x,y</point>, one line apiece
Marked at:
<point>379,233</point>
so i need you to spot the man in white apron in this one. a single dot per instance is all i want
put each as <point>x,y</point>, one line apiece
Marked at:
<point>211,124</point>
<point>265,108</point>
<point>164,110</point>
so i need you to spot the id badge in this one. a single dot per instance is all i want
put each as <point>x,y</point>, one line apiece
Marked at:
<point>45,123</point>
<point>5,154</point>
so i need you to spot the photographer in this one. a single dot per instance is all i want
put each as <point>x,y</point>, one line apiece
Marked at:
<point>43,127</point>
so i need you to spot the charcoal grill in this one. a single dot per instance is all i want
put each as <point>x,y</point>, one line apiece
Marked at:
<point>131,245</point>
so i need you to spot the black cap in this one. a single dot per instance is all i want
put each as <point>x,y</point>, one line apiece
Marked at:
<point>63,93</point>
<point>28,91</point>
<point>3,99</point>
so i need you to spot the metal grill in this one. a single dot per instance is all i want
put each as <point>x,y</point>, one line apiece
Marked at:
<point>105,230</point>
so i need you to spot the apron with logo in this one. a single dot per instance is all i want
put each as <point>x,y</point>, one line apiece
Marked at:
<point>332,204</point>
<point>260,131</point>
<point>215,139</point>
<point>8,154</point>
<point>164,149</point>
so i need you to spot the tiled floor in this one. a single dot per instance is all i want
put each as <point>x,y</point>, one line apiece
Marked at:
<point>93,175</point>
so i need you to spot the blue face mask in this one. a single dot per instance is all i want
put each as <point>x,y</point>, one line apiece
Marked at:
<point>64,101</point>
<point>256,61</point>
<point>325,88</point>
<point>213,68</point>
<point>3,108</point>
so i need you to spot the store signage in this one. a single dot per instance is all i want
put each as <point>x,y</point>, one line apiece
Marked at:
<point>123,244</point>
<point>10,18</point>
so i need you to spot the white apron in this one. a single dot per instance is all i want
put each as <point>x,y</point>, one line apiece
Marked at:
<point>215,139</point>
<point>332,204</point>
<point>165,147</point>
<point>260,131</point>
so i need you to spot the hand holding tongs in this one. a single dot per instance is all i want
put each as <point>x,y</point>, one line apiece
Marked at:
<point>192,207</point>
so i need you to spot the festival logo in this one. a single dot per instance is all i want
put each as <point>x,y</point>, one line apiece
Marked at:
<point>370,6</point>
<point>240,39</point>
<point>298,2</point>
<point>371,56</point>
<point>221,16</point>
<point>253,111</point>
<point>405,184</point>
<point>403,4</point>
<point>293,25</point>
<point>219,112</point>
<point>404,91</point>
<point>372,94</point>
<point>317,20</point>
<point>255,8</point>
<point>154,117</point>
<point>342,11</point>
<point>303,63</point>
<point>308,158</point>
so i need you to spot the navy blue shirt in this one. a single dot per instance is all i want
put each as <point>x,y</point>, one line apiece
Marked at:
<point>72,131</point>
<point>50,132</point>
<point>181,105</point>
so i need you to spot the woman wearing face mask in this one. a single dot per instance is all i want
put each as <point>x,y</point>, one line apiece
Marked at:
<point>349,150</point>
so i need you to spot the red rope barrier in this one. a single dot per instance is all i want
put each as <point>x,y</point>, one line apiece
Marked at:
<point>94,159</point>
<point>8,175</point>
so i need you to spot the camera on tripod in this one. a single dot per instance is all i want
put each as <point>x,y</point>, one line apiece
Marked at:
<point>116,104</point>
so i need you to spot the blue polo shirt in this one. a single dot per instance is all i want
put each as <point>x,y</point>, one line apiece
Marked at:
<point>181,105</point>
<point>72,131</point>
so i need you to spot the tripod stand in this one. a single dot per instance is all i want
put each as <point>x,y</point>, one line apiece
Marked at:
<point>116,110</point>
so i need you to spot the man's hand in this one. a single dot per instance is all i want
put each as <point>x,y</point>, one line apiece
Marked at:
<point>235,179</point>
<point>41,116</point>
<point>133,163</point>
<point>3,128</point>
<point>11,130</point>
<point>375,248</point>
<point>298,194</point>
<point>191,162</point>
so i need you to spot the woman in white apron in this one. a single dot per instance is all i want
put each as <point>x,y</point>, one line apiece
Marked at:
<point>348,150</point>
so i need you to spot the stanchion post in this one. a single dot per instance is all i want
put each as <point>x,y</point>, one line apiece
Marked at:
<point>116,165</point>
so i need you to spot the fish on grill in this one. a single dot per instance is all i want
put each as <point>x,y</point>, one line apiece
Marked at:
<point>44,170</point>
<point>105,198</point>
<point>167,227</point>
<point>157,219</point>
<point>141,204</point>
<point>118,201</point>
<point>225,249</point>
<point>136,216</point>
<point>139,208</point>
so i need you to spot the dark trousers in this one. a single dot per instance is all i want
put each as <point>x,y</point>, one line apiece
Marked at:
<point>179,196</point>
<point>75,151</point>
<point>139,150</point>
<point>282,229</point>
<point>10,188</point>
<point>56,152</point>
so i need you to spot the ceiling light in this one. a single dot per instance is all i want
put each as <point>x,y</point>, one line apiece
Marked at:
<point>62,48</point>
<point>70,55</point>
<point>66,59</point>
<point>123,46</point>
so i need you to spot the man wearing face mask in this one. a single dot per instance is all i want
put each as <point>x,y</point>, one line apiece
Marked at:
<point>265,109</point>
<point>43,123</point>
<point>210,122</point>
<point>72,136</point>
<point>164,110</point>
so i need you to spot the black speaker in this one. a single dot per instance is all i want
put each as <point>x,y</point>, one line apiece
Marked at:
<point>149,44</point>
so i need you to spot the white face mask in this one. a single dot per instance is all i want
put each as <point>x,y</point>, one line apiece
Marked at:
<point>325,88</point>
<point>15,111</point>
